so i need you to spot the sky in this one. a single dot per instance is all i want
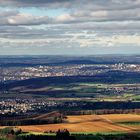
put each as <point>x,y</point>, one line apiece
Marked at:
<point>69,27</point>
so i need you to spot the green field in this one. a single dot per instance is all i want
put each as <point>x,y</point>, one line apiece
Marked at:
<point>94,91</point>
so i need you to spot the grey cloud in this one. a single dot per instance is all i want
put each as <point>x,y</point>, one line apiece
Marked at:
<point>80,11</point>
<point>32,3</point>
<point>91,4</point>
<point>86,21</point>
<point>15,18</point>
<point>60,32</point>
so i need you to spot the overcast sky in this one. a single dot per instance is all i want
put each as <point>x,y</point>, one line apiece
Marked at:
<point>73,27</point>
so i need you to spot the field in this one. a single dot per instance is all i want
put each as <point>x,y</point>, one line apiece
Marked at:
<point>91,90</point>
<point>91,124</point>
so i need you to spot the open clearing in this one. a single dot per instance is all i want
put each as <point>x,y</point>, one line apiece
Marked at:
<point>91,123</point>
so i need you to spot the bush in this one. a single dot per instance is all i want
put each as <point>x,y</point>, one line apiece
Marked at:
<point>11,130</point>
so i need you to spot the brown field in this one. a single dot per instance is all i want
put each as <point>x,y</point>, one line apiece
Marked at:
<point>122,117</point>
<point>91,123</point>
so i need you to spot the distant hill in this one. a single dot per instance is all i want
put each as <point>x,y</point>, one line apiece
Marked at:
<point>108,77</point>
<point>24,61</point>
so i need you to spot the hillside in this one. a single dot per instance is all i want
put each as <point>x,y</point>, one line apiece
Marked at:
<point>108,77</point>
<point>91,123</point>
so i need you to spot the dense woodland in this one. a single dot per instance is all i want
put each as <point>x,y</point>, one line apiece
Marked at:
<point>18,121</point>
